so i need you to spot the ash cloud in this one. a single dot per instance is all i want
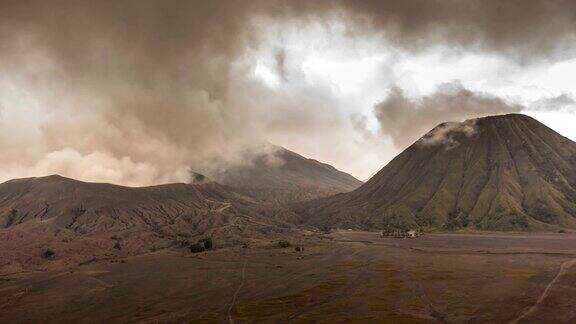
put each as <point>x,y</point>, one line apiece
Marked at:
<point>132,92</point>
<point>562,101</point>
<point>405,119</point>
<point>141,91</point>
<point>447,134</point>
<point>280,58</point>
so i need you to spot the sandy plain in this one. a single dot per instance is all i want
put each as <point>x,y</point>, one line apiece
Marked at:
<point>346,276</point>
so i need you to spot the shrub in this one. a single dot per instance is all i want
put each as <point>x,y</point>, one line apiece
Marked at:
<point>284,244</point>
<point>207,242</point>
<point>464,221</point>
<point>399,220</point>
<point>117,246</point>
<point>183,243</point>
<point>48,254</point>
<point>196,248</point>
<point>456,219</point>
<point>519,221</point>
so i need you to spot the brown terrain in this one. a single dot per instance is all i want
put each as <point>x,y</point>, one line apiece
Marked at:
<point>347,276</point>
<point>87,221</point>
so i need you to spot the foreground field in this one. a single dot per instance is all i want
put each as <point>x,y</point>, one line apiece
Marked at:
<point>347,276</point>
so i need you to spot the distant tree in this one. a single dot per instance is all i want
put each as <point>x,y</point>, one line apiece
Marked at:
<point>197,247</point>
<point>399,221</point>
<point>464,221</point>
<point>284,244</point>
<point>518,221</point>
<point>207,242</point>
<point>456,219</point>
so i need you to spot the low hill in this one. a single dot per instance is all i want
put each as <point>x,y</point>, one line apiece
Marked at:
<point>284,176</point>
<point>85,220</point>
<point>507,172</point>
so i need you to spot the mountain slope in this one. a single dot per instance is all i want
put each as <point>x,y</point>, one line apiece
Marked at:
<point>79,219</point>
<point>506,172</point>
<point>88,207</point>
<point>285,176</point>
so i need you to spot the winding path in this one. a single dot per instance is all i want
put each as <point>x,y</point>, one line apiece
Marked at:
<point>230,318</point>
<point>563,269</point>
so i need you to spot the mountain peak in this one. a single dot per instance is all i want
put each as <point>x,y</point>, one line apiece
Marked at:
<point>281,175</point>
<point>505,172</point>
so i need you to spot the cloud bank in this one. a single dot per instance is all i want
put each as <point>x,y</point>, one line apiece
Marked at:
<point>142,92</point>
<point>521,29</point>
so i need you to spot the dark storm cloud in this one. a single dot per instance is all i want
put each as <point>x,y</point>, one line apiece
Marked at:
<point>523,29</point>
<point>153,36</point>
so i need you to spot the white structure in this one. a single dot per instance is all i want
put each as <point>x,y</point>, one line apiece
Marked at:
<point>397,233</point>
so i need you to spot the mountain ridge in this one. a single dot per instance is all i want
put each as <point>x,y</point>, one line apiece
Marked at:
<point>85,220</point>
<point>26,198</point>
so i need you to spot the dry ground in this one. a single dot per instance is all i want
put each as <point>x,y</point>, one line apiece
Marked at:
<point>346,277</point>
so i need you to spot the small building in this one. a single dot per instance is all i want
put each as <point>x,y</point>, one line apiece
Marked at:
<point>401,233</point>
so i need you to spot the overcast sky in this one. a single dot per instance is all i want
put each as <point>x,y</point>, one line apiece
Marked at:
<point>138,92</point>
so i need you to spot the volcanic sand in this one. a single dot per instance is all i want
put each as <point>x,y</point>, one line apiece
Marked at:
<point>343,277</point>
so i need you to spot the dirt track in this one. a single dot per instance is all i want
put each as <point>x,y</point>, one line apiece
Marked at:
<point>564,267</point>
<point>350,276</point>
<point>233,302</point>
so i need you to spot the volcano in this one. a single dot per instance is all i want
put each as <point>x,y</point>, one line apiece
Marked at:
<point>283,176</point>
<point>507,172</point>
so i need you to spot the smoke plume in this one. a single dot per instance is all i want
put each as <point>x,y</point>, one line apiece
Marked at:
<point>446,134</point>
<point>131,92</point>
<point>406,119</point>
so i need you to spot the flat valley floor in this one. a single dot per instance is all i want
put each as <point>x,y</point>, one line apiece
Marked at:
<point>343,277</point>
